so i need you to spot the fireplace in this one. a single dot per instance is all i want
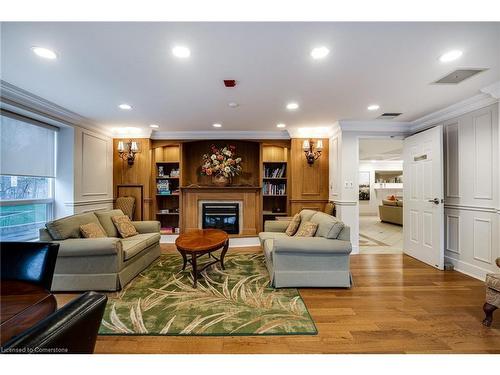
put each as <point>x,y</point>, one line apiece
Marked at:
<point>224,216</point>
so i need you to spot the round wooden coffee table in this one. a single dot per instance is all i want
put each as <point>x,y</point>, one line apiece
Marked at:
<point>201,242</point>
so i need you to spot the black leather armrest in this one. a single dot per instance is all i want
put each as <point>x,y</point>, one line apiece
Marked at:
<point>71,329</point>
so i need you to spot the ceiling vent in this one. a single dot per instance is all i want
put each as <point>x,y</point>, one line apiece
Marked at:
<point>458,76</point>
<point>388,115</point>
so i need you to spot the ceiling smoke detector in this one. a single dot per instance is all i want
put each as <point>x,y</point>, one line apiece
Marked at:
<point>388,115</point>
<point>458,76</point>
<point>229,82</point>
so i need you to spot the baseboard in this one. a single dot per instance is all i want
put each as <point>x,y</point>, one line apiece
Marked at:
<point>355,250</point>
<point>468,269</point>
<point>233,242</point>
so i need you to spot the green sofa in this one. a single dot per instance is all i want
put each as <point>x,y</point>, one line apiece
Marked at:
<point>319,261</point>
<point>105,264</point>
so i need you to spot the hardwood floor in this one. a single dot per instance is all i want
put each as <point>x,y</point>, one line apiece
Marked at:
<point>397,305</point>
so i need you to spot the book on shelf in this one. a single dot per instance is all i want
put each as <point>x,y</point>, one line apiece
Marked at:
<point>275,172</point>
<point>270,188</point>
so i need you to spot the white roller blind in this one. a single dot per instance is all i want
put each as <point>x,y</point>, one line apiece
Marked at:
<point>26,149</point>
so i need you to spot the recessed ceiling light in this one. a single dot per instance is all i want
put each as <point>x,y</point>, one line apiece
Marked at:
<point>233,104</point>
<point>126,107</point>
<point>292,106</point>
<point>450,56</point>
<point>181,52</point>
<point>154,126</point>
<point>319,53</point>
<point>373,107</point>
<point>217,125</point>
<point>281,126</point>
<point>44,52</point>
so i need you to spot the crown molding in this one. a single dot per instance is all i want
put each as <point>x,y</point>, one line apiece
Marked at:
<point>18,100</point>
<point>478,101</point>
<point>376,126</point>
<point>215,134</point>
<point>493,90</point>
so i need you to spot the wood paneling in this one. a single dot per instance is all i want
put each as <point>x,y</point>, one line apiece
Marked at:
<point>309,183</point>
<point>250,198</point>
<point>275,152</point>
<point>137,174</point>
<point>396,305</point>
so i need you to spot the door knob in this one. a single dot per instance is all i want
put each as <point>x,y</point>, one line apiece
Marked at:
<point>435,200</point>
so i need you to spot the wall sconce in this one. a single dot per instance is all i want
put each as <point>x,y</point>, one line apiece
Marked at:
<point>312,153</point>
<point>127,151</point>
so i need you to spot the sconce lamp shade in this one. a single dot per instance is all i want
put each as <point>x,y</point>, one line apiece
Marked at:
<point>134,147</point>
<point>319,145</point>
<point>121,147</point>
<point>306,146</point>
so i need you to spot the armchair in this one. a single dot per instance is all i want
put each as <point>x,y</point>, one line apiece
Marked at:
<point>492,296</point>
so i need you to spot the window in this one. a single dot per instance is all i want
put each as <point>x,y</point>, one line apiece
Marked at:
<point>27,172</point>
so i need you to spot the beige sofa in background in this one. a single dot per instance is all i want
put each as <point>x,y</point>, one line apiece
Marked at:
<point>104,264</point>
<point>391,212</point>
<point>319,261</point>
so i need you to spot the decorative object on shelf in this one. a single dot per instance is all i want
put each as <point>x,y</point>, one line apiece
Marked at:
<point>163,187</point>
<point>222,164</point>
<point>312,153</point>
<point>161,172</point>
<point>364,186</point>
<point>127,151</point>
<point>175,173</point>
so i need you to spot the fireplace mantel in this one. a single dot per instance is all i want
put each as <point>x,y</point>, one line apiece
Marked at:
<point>249,196</point>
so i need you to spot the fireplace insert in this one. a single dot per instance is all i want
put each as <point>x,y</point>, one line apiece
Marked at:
<point>224,216</point>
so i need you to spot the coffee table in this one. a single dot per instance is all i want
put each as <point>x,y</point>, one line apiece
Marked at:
<point>200,242</point>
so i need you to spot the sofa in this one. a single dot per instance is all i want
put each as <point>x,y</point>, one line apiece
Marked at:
<point>319,261</point>
<point>104,264</point>
<point>391,211</point>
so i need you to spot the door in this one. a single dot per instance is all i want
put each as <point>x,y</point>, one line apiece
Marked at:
<point>423,208</point>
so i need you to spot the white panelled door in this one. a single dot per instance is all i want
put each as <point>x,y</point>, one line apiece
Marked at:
<point>423,209</point>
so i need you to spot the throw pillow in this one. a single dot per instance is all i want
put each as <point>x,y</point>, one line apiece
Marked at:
<point>307,230</point>
<point>92,230</point>
<point>124,226</point>
<point>293,226</point>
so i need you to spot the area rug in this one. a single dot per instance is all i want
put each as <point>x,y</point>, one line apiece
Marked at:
<point>235,301</point>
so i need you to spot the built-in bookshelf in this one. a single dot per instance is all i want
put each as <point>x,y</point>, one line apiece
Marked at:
<point>274,181</point>
<point>167,182</point>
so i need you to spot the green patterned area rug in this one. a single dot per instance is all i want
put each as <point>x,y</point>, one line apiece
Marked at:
<point>234,301</point>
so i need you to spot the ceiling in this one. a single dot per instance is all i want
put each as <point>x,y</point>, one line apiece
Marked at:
<point>102,65</point>
<point>380,149</point>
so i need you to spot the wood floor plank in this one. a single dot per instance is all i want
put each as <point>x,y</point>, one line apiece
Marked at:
<point>397,305</point>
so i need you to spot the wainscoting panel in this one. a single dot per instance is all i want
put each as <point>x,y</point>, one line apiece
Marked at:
<point>482,239</point>
<point>452,165</point>
<point>472,197</point>
<point>483,155</point>
<point>452,240</point>
<point>95,168</point>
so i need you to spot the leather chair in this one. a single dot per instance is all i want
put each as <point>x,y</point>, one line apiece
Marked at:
<point>71,329</point>
<point>33,262</point>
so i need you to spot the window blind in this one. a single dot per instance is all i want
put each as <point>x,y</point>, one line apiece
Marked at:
<point>26,148</point>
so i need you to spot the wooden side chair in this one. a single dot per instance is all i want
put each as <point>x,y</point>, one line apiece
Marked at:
<point>492,296</point>
<point>127,205</point>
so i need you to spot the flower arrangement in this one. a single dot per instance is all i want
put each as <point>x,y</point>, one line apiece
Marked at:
<point>221,162</point>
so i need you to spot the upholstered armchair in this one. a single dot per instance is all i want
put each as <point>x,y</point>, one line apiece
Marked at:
<point>492,296</point>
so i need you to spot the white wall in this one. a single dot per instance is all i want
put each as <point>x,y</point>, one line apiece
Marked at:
<point>344,181</point>
<point>472,197</point>
<point>376,196</point>
<point>84,172</point>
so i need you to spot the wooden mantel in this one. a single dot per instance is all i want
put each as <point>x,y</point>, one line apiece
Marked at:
<point>250,196</point>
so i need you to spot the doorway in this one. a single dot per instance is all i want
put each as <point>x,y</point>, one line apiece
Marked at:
<point>381,196</point>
